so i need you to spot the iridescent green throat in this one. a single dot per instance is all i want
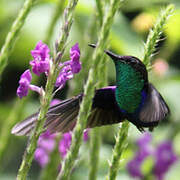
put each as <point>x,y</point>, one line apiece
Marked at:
<point>129,86</point>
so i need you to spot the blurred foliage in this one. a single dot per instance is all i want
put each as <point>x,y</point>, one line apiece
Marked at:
<point>128,34</point>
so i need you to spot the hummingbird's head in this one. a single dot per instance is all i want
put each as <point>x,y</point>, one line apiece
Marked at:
<point>117,58</point>
<point>124,59</point>
<point>129,60</point>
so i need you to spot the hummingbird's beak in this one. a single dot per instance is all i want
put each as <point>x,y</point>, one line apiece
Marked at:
<point>92,45</point>
<point>113,56</point>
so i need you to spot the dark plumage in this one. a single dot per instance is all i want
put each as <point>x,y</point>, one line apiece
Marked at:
<point>133,98</point>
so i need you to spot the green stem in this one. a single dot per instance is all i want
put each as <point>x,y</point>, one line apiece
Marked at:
<point>154,35</point>
<point>13,34</point>
<point>47,97</point>
<point>95,141</point>
<point>103,69</point>
<point>57,13</point>
<point>120,145</point>
<point>152,39</point>
<point>29,154</point>
<point>17,110</point>
<point>51,169</point>
<point>95,136</point>
<point>18,105</point>
<point>68,20</point>
<point>89,88</point>
<point>90,36</point>
<point>100,13</point>
<point>86,59</point>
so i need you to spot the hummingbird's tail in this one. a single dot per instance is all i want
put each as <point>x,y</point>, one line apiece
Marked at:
<point>154,108</point>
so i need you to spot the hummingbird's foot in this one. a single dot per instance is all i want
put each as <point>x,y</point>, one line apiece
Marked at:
<point>151,129</point>
<point>141,129</point>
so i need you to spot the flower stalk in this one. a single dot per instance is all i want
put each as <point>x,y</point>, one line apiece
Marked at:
<point>95,143</point>
<point>51,169</point>
<point>18,104</point>
<point>13,34</point>
<point>100,13</point>
<point>29,154</point>
<point>121,143</point>
<point>95,138</point>
<point>47,97</point>
<point>152,39</point>
<point>88,93</point>
<point>86,59</point>
<point>155,34</point>
<point>57,13</point>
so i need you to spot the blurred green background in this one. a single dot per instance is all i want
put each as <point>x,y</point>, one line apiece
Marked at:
<point>127,37</point>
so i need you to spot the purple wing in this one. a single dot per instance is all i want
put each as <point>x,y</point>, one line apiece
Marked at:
<point>105,110</point>
<point>62,117</point>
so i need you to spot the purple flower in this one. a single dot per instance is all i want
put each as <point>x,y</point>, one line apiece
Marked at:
<point>24,83</point>
<point>65,144</point>
<point>41,51</point>
<point>40,63</point>
<point>47,141</point>
<point>86,134</point>
<point>46,144</point>
<point>75,56</point>
<point>164,159</point>
<point>145,148</point>
<point>74,49</point>
<point>134,166</point>
<point>144,140</point>
<point>41,156</point>
<point>64,75</point>
<point>70,67</point>
<point>54,102</point>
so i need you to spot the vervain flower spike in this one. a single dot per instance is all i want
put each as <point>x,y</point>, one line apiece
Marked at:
<point>41,63</point>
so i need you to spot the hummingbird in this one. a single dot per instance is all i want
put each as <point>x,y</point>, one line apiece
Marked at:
<point>133,98</point>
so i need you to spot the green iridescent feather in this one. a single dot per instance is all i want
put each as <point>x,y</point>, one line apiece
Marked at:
<point>129,87</point>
